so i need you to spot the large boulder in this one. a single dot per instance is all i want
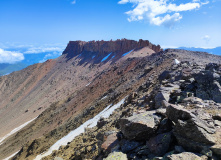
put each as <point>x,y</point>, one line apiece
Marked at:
<point>192,132</point>
<point>116,155</point>
<point>208,86</point>
<point>140,126</point>
<point>164,94</point>
<point>175,113</point>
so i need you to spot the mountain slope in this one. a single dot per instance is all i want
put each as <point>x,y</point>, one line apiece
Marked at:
<point>81,83</point>
<point>26,94</point>
<point>216,51</point>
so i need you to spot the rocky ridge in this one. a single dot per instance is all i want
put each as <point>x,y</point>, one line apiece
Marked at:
<point>172,114</point>
<point>57,91</point>
<point>102,48</point>
<point>172,109</point>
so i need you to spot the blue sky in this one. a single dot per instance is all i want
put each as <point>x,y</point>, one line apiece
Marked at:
<point>47,25</point>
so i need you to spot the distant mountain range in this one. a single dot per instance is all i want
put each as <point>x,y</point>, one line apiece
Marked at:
<point>8,68</point>
<point>216,51</point>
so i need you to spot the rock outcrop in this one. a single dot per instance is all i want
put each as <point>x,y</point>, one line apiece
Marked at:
<point>141,126</point>
<point>105,47</point>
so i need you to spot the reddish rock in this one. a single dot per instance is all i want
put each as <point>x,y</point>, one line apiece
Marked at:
<point>103,47</point>
<point>110,143</point>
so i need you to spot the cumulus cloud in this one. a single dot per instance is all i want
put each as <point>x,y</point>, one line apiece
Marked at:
<point>159,12</point>
<point>10,57</point>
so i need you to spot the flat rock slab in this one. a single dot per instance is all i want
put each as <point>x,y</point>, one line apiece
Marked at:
<point>184,156</point>
<point>141,126</point>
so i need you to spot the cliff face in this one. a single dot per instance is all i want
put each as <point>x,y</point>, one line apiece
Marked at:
<point>104,47</point>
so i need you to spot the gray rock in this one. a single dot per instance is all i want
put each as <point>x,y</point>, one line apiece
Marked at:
<point>189,144</point>
<point>175,113</point>
<point>142,150</point>
<point>208,86</point>
<point>116,155</point>
<point>58,158</point>
<point>191,131</point>
<point>196,130</point>
<point>140,126</point>
<point>184,156</point>
<point>179,149</point>
<point>217,150</point>
<point>217,123</point>
<point>161,96</point>
<point>164,94</point>
<point>127,146</point>
<point>159,145</point>
<point>166,125</point>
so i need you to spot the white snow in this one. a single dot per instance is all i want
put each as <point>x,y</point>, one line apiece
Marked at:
<point>11,156</point>
<point>106,57</point>
<point>127,53</point>
<point>15,130</point>
<point>104,97</point>
<point>176,61</point>
<point>88,124</point>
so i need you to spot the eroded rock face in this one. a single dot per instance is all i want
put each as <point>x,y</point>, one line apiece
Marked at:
<point>141,126</point>
<point>103,47</point>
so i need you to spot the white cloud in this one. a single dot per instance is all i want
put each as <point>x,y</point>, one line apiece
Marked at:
<point>50,56</point>
<point>159,12</point>
<point>73,2</point>
<point>10,57</point>
<point>206,38</point>
<point>35,50</point>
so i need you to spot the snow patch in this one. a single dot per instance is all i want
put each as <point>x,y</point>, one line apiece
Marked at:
<point>104,97</point>
<point>88,124</point>
<point>127,53</point>
<point>15,130</point>
<point>106,57</point>
<point>176,61</point>
<point>11,156</point>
